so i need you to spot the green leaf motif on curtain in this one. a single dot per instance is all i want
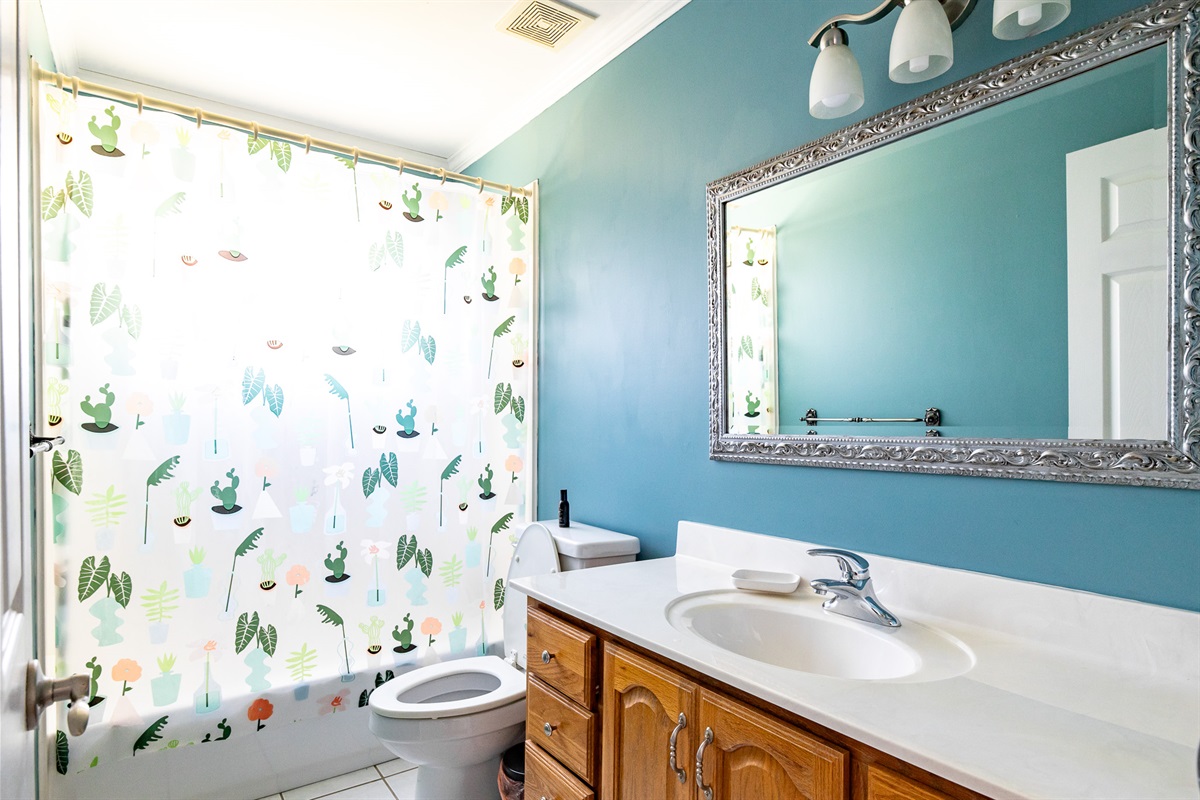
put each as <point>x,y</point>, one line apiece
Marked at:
<point>747,346</point>
<point>452,468</point>
<point>375,257</point>
<point>389,468</point>
<point>68,471</point>
<point>254,144</point>
<point>336,389</point>
<point>252,384</point>
<point>157,603</point>
<point>425,561</point>
<point>80,192</point>
<point>451,572</point>
<point>412,497</point>
<point>503,396</point>
<point>52,203</point>
<point>268,638</point>
<point>498,594</point>
<point>506,203</point>
<point>410,334</point>
<point>502,523</point>
<point>104,303</point>
<point>755,289</point>
<point>370,479</point>
<point>248,544</point>
<point>428,348</point>
<point>107,508</point>
<point>62,753</point>
<point>282,153</point>
<point>92,576</point>
<point>456,257</point>
<point>151,734</point>
<point>274,396</point>
<point>523,209</point>
<point>406,548</point>
<point>247,629</point>
<point>132,317</point>
<point>329,616</point>
<point>518,408</point>
<point>395,247</point>
<point>172,205</point>
<point>504,327</point>
<point>121,588</point>
<point>163,473</point>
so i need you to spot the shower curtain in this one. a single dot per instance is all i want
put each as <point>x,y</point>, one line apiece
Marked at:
<point>296,391</point>
<point>753,340</point>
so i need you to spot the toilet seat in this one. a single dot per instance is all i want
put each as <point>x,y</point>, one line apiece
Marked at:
<point>497,682</point>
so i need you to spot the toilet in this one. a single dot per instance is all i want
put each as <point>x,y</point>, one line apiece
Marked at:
<point>454,719</point>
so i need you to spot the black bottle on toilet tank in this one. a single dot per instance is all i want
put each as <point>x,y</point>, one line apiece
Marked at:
<point>564,510</point>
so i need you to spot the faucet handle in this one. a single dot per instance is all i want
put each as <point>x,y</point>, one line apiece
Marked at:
<point>854,567</point>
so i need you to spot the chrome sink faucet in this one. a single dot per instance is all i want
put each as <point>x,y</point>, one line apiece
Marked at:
<point>854,595</point>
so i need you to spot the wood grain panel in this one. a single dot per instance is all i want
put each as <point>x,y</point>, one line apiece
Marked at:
<point>883,784</point>
<point>572,738</point>
<point>641,702</point>
<point>757,757</point>
<point>546,778</point>
<point>571,652</point>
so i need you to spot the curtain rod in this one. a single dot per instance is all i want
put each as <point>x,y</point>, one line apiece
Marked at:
<point>140,101</point>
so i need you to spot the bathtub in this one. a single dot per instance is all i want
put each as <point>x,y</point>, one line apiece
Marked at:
<point>270,761</point>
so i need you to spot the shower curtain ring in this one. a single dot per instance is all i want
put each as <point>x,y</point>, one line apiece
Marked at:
<point>307,144</point>
<point>141,101</point>
<point>75,88</point>
<point>509,187</point>
<point>199,118</point>
<point>254,130</point>
<point>442,172</point>
<point>399,166</point>
<point>58,80</point>
<point>355,164</point>
<point>481,185</point>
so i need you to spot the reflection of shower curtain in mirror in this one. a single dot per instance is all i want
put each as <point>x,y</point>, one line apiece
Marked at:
<point>750,320</point>
<point>296,394</point>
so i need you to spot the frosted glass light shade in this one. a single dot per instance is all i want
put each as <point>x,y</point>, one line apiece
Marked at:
<point>836,87</point>
<point>1020,19</point>
<point>922,45</point>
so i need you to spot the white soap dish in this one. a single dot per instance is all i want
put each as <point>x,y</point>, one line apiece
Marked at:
<point>757,580</point>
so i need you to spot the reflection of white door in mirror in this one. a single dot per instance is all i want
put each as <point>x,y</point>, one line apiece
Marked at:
<point>1117,279</point>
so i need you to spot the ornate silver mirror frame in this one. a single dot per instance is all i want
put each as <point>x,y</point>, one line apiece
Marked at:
<point>1171,463</point>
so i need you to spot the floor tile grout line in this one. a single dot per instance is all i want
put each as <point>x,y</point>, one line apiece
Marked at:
<point>344,788</point>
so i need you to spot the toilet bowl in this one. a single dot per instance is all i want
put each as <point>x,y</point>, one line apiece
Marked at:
<point>454,719</point>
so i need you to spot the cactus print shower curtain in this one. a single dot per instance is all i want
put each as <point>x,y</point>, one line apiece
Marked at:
<point>296,395</point>
<point>750,317</point>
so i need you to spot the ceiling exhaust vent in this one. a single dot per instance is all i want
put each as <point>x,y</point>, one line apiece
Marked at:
<point>545,22</point>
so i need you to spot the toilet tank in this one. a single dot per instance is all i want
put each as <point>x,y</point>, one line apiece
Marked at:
<point>582,546</point>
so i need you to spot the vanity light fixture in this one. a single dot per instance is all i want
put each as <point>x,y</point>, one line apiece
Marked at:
<point>922,44</point>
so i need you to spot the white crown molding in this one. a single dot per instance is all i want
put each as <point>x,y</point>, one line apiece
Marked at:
<point>600,51</point>
<point>268,120</point>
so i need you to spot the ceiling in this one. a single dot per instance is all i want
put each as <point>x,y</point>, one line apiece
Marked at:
<point>433,78</point>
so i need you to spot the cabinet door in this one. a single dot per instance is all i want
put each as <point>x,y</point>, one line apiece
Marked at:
<point>756,757</point>
<point>642,702</point>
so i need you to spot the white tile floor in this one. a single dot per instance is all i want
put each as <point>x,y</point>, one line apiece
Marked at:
<point>391,780</point>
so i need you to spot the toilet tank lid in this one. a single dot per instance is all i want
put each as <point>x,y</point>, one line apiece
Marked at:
<point>587,541</point>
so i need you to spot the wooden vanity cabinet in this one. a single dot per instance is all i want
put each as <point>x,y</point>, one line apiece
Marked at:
<point>602,714</point>
<point>752,756</point>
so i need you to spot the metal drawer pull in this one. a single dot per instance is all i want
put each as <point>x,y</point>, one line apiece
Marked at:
<point>548,729</point>
<point>679,773</point>
<point>546,656</point>
<point>708,737</point>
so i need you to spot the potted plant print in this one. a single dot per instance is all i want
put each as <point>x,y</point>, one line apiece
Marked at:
<point>177,425</point>
<point>160,606</point>
<point>457,636</point>
<point>106,509</point>
<point>118,591</point>
<point>303,513</point>
<point>337,568</point>
<point>208,695</point>
<point>372,629</point>
<point>248,544</point>
<point>160,475</point>
<point>197,578</point>
<point>269,563</point>
<point>301,664</point>
<point>260,711</point>
<point>338,476</point>
<point>165,688</point>
<point>331,617</point>
<point>226,495</point>
<point>184,497</point>
<point>371,551</point>
<point>250,631</point>
<point>297,576</point>
<point>407,550</point>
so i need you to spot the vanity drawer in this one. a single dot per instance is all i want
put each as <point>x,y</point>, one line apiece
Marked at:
<point>571,736</point>
<point>883,784</point>
<point>545,778</point>
<point>562,655</point>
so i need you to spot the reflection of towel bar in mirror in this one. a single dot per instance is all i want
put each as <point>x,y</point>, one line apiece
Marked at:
<point>933,417</point>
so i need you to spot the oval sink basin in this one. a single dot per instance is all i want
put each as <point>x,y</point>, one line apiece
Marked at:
<point>795,633</point>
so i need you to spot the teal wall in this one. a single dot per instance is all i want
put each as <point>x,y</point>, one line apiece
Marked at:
<point>623,397</point>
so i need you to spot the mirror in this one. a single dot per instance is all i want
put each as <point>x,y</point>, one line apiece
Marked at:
<point>983,281</point>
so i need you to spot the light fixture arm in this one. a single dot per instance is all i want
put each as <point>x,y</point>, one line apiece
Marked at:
<point>956,11</point>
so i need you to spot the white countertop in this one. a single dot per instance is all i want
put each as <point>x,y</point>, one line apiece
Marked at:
<point>1072,695</point>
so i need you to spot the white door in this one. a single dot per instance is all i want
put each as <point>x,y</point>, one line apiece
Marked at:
<point>17,613</point>
<point>1117,277</point>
